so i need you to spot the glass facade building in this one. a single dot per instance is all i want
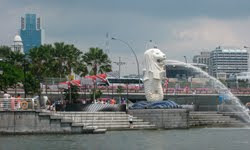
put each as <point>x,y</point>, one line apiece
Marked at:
<point>31,32</point>
<point>228,61</point>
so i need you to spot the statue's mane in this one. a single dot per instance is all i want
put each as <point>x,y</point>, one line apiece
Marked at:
<point>151,66</point>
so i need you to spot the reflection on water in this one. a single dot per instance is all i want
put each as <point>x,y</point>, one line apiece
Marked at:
<point>194,139</point>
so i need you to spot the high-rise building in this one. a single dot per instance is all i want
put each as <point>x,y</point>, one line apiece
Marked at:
<point>31,32</point>
<point>228,61</point>
<point>17,44</point>
<point>203,58</point>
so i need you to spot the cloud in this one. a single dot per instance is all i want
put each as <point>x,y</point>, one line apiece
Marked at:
<point>205,34</point>
<point>178,27</point>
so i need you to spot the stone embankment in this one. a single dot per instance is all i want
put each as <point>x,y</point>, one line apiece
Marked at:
<point>213,119</point>
<point>164,118</point>
<point>33,122</point>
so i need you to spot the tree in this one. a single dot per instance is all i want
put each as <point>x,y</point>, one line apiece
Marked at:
<point>31,84</point>
<point>10,76</point>
<point>4,51</point>
<point>39,60</point>
<point>120,90</point>
<point>72,92</point>
<point>57,60</point>
<point>95,94</point>
<point>97,62</point>
<point>11,68</point>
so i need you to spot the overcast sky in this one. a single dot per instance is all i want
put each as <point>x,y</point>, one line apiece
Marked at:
<point>179,27</point>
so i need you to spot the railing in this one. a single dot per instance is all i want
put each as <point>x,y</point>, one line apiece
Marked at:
<point>19,104</point>
<point>171,91</point>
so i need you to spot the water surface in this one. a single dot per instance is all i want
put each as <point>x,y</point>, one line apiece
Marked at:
<point>192,139</point>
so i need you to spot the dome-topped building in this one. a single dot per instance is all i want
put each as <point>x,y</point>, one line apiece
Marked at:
<point>17,44</point>
<point>17,38</point>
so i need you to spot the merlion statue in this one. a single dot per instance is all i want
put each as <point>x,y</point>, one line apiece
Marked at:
<point>154,73</point>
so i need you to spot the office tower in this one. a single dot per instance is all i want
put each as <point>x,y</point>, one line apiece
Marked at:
<point>31,32</point>
<point>228,61</point>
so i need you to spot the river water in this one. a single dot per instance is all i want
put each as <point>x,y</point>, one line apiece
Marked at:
<point>192,139</point>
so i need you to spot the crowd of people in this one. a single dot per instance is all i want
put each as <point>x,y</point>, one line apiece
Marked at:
<point>11,102</point>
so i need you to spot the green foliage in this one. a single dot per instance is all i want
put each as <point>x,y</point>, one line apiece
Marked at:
<point>10,76</point>
<point>243,83</point>
<point>71,92</point>
<point>31,84</point>
<point>11,68</point>
<point>120,89</point>
<point>47,61</point>
<point>56,60</point>
<point>98,93</point>
<point>4,51</point>
<point>97,61</point>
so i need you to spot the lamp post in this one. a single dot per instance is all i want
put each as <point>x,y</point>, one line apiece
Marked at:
<point>146,46</point>
<point>126,43</point>
<point>24,75</point>
<point>185,59</point>
<point>119,63</point>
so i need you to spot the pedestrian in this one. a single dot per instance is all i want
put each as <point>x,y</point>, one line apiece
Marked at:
<point>6,97</point>
<point>18,102</point>
<point>130,119</point>
<point>12,103</point>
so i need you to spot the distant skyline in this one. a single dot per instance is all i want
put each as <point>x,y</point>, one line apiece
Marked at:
<point>179,28</point>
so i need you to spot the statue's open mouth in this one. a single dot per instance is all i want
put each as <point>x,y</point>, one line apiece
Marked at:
<point>160,60</point>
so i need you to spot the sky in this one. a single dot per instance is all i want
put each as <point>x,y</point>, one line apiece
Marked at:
<point>178,27</point>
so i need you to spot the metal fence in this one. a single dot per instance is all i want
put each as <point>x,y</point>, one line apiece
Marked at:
<point>19,104</point>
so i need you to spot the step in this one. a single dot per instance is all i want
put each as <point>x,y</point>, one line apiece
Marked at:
<point>85,112</point>
<point>228,121</point>
<point>203,112</point>
<point>220,125</point>
<point>99,120</point>
<point>45,114</point>
<point>55,117</point>
<point>117,127</point>
<point>88,129</point>
<point>191,116</point>
<point>79,124</point>
<point>66,120</point>
<point>99,131</point>
<point>206,114</point>
<point>114,123</point>
<point>90,113</point>
<point>92,116</point>
<point>212,119</point>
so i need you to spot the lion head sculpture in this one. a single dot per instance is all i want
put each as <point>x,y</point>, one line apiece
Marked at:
<point>154,63</point>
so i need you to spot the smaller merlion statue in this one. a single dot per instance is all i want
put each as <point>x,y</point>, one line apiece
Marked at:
<point>154,73</point>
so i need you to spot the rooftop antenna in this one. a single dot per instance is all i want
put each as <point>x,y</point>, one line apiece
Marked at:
<point>107,43</point>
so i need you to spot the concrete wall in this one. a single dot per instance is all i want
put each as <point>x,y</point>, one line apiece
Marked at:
<point>26,122</point>
<point>164,118</point>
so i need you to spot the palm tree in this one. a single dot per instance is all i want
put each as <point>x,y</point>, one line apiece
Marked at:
<point>39,58</point>
<point>67,58</point>
<point>97,62</point>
